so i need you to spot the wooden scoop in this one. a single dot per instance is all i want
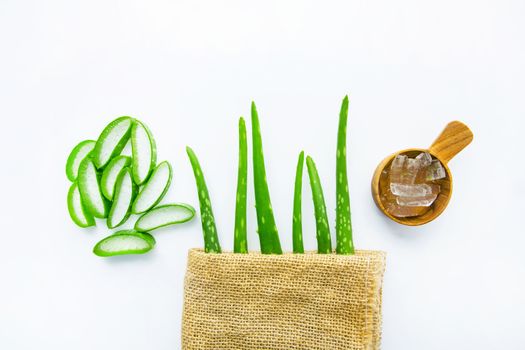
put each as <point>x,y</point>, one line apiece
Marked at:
<point>450,142</point>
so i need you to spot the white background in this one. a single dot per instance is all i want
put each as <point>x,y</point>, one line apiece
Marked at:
<point>189,69</point>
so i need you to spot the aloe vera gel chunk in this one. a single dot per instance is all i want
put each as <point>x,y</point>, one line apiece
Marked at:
<point>125,192</point>
<point>164,215</point>
<point>124,242</point>
<point>77,155</point>
<point>110,174</point>
<point>111,141</point>
<point>78,213</point>
<point>154,189</point>
<point>89,186</point>
<point>144,152</point>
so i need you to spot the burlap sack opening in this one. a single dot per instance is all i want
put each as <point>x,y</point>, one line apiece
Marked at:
<point>289,301</point>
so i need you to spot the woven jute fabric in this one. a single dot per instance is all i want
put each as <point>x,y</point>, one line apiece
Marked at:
<point>289,301</point>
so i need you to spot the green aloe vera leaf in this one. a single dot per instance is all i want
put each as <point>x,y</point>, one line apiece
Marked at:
<point>324,244</point>
<point>111,141</point>
<point>144,152</point>
<point>110,174</point>
<point>124,243</point>
<point>154,189</point>
<point>89,186</point>
<point>209,229</point>
<point>164,215</point>
<point>125,192</point>
<point>78,213</point>
<point>297,226</point>
<point>77,155</point>
<point>240,240</point>
<point>343,222</point>
<point>267,229</point>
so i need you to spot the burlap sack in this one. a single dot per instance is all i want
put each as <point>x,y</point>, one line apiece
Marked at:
<point>290,301</point>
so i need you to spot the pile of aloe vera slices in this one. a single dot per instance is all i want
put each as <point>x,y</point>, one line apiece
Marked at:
<point>107,184</point>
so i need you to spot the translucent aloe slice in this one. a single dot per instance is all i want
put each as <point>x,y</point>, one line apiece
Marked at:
<point>125,192</point>
<point>77,155</point>
<point>154,190</point>
<point>164,215</point>
<point>89,186</point>
<point>125,242</point>
<point>144,152</point>
<point>111,141</point>
<point>110,174</point>
<point>78,213</point>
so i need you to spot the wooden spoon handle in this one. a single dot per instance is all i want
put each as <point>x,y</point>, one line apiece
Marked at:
<point>451,141</point>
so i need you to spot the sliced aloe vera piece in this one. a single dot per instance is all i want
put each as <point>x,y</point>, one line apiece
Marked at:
<point>77,155</point>
<point>125,192</point>
<point>154,190</point>
<point>144,152</point>
<point>125,242</point>
<point>164,215</point>
<point>89,186</point>
<point>110,174</point>
<point>111,141</point>
<point>78,213</point>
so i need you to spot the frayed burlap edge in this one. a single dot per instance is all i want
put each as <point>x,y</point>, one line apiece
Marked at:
<point>213,287</point>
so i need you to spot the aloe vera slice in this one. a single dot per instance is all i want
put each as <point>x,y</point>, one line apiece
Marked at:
<point>89,186</point>
<point>78,213</point>
<point>144,152</point>
<point>209,229</point>
<point>110,174</point>
<point>164,215</point>
<point>324,243</point>
<point>148,237</point>
<point>154,189</point>
<point>111,141</point>
<point>125,192</point>
<point>77,155</point>
<point>125,242</point>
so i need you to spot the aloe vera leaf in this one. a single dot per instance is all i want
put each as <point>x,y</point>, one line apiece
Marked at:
<point>89,186</point>
<point>125,192</point>
<point>343,222</point>
<point>164,215</point>
<point>240,240</point>
<point>125,242</point>
<point>154,189</point>
<point>77,155</point>
<point>297,227</point>
<point>110,174</point>
<point>78,213</point>
<point>111,141</point>
<point>267,229</point>
<point>209,229</point>
<point>324,244</point>
<point>144,152</point>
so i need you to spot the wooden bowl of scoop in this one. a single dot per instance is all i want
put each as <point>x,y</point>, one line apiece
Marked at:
<point>450,142</point>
